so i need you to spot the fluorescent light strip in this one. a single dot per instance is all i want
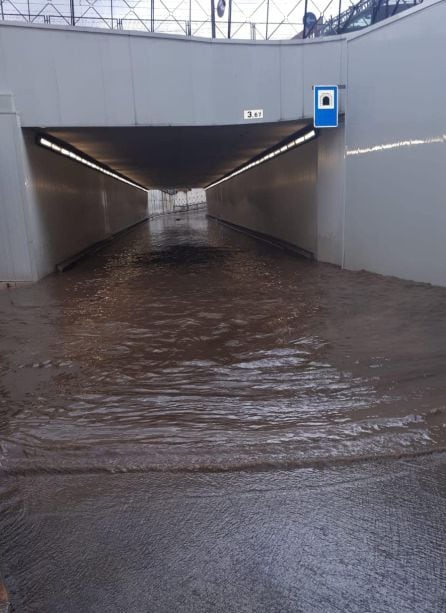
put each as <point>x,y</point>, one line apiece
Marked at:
<point>291,145</point>
<point>74,156</point>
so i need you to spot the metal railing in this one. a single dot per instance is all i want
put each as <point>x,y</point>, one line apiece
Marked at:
<point>361,15</point>
<point>245,20</point>
<point>242,19</point>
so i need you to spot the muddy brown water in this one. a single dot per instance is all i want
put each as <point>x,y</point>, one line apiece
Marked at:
<point>185,347</point>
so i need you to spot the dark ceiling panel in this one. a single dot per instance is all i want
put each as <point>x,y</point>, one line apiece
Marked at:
<point>173,156</point>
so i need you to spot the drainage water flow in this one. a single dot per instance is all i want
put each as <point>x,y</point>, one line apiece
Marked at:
<point>187,346</point>
<point>193,421</point>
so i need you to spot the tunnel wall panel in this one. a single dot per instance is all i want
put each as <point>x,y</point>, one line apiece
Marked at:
<point>125,205</point>
<point>277,198</point>
<point>73,207</point>
<point>16,263</point>
<point>381,184</point>
<point>331,195</point>
<point>77,77</point>
<point>396,148</point>
<point>297,197</point>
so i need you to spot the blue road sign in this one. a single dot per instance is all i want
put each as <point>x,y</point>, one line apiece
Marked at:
<point>310,20</point>
<point>325,106</point>
<point>221,7</point>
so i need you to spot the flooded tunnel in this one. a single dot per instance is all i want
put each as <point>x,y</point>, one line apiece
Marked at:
<point>232,401</point>
<point>195,420</point>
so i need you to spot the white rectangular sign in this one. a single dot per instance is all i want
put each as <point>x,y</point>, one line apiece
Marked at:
<point>253,114</point>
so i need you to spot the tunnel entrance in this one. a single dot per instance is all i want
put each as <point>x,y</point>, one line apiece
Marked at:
<point>129,174</point>
<point>175,156</point>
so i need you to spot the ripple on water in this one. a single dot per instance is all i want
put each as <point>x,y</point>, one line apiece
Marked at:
<point>192,347</point>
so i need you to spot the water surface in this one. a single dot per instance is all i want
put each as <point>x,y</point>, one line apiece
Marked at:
<point>188,346</point>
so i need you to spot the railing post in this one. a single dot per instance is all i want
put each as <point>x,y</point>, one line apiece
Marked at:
<point>267,20</point>
<point>190,17</point>
<point>1,8</point>
<point>230,18</point>
<point>152,15</point>
<point>213,18</point>
<point>376,9</point>
<point>73,22</point>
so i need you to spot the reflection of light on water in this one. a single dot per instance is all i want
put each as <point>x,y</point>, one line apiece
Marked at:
<point>188,348</point>
<point>404,143</point>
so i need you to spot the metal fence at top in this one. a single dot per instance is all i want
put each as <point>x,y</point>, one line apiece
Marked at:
<point>241,19</point>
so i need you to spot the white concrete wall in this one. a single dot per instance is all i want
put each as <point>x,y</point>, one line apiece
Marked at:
<point>276,198</point>
<point>297,197</point>
<point>52,208</point>
<point>396,147</point>
<point>331,195</point>
<point>380,202</point>
<point>158,202</point>
<point>16,262</point>
<point>72,207</point>
<point>84,77</point>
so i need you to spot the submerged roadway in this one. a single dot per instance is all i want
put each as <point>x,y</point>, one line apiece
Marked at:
<point>194,421</point>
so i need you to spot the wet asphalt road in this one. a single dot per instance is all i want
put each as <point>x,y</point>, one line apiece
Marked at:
<point>362,538</point>
<point>193,421</point>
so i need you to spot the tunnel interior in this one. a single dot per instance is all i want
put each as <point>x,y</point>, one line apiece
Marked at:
<point>75,205</point>
<point>177,156</point>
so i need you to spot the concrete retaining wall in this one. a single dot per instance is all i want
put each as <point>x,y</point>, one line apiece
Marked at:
<point>276,198</point>
<point>296,197</point>
<point>72,207</point>
<point>379,203</point>
<point>396,148</point>
<point>58,207</point>
<point>15,257</point>
<point>63,76</point>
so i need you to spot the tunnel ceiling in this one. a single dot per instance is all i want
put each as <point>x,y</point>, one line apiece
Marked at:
<point>176,156</point>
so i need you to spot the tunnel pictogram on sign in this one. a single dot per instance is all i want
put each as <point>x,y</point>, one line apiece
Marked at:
<point>325,106</point>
